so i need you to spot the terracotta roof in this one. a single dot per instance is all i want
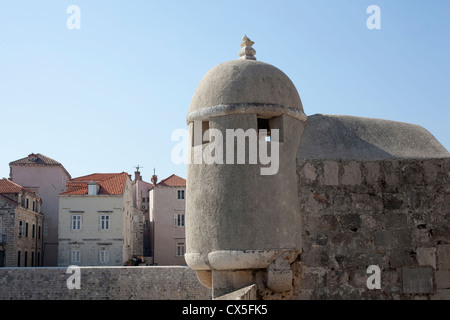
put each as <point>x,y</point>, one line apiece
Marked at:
<point>172,181</point>
<point>110,183</point>
<point>7,187</point>
<point>37,159</point>
<point>97,177</point>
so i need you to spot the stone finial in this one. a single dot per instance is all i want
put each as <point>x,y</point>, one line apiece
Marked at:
<point>247,52</point>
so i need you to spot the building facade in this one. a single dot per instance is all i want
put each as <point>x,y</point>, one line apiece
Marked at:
<point>141,202</point>
<point>47,178</point>
<point>21,225</point>
<point>167,209</point>
<point>98,224</point>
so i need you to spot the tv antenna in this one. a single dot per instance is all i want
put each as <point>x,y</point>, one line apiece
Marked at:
<point>138,167</point>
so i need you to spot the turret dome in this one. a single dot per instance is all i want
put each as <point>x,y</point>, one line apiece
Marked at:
<point>245,86</point>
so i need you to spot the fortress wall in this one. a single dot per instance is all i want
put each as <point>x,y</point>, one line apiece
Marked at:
<point>392,213</point>
<point>102,283</point>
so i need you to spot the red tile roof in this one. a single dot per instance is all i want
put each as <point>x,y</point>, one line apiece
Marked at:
<point>38,160</point>
<point>172,181</point>
<point>7,187</point>
<point>110,183</point>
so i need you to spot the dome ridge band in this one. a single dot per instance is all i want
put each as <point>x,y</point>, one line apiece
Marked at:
<point>267,110</point>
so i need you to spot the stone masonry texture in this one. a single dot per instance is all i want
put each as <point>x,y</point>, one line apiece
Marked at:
<point>102,283</point>
<point>391,213</point>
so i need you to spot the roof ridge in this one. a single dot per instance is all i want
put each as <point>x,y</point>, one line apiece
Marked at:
<point>41,160</point>
<point>77,179</point>
<point>18,186</point>
<point>173,174</point>
<point>10,181</point>
<point>111,185</point>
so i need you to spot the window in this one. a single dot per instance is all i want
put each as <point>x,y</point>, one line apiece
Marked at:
<point>75,255</point>
<point>27,203</point>
<point>104,255</point>
<point>39,232</point>
<point>273,129</point>
<point>263,124</point>
<point>180,194</point>
<point>32,258</point>
<point>201,133</point>
<point>180,248</point>
<point>25,258</point>
<point>76,222</point>
<point>26,231</point>
<point>20,228</point>
<point>178,220</point>
<point>32,231</point>
<point>18,258</point>
<point>143,199</point>
<point>104,222</point>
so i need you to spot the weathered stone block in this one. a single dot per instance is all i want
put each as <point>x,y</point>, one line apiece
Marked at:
<point>417,280</point>
<point>372,172</point>
<point>395,220</point>
<point>352,174</point>
<point>350,221</point>
<point>315,257</point>
<point>443,279</point>
<point>392,201</point>
<point>403,258</point>
<point>358,278</point>
<point>384,238</point>
<point>330,173</point>
<point>443,256</point>
<point>309,171</point>
<point>431,170</point>
<point>426,257</point>
<point>441,294</point>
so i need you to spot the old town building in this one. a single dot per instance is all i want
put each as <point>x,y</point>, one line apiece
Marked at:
<point>21,224</point>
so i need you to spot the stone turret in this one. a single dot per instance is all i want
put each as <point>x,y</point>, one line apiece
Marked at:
<point>242,211</point>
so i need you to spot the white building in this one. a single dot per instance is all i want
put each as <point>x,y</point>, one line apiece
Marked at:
<point>97,221</point>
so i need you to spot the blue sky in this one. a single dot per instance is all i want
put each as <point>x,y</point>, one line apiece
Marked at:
<point>108,96</point>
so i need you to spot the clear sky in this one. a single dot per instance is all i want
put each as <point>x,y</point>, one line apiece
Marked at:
<point>108,96</point>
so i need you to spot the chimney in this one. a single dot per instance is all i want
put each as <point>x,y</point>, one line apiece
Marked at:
<point>137,176</point>
<point>154,177</point>
<point>32,157</point>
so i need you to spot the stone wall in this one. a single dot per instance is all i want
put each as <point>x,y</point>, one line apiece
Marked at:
<point>394,214</point>
<point>29,244</point>
<point>7,216</point>
<point>102,283</point>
